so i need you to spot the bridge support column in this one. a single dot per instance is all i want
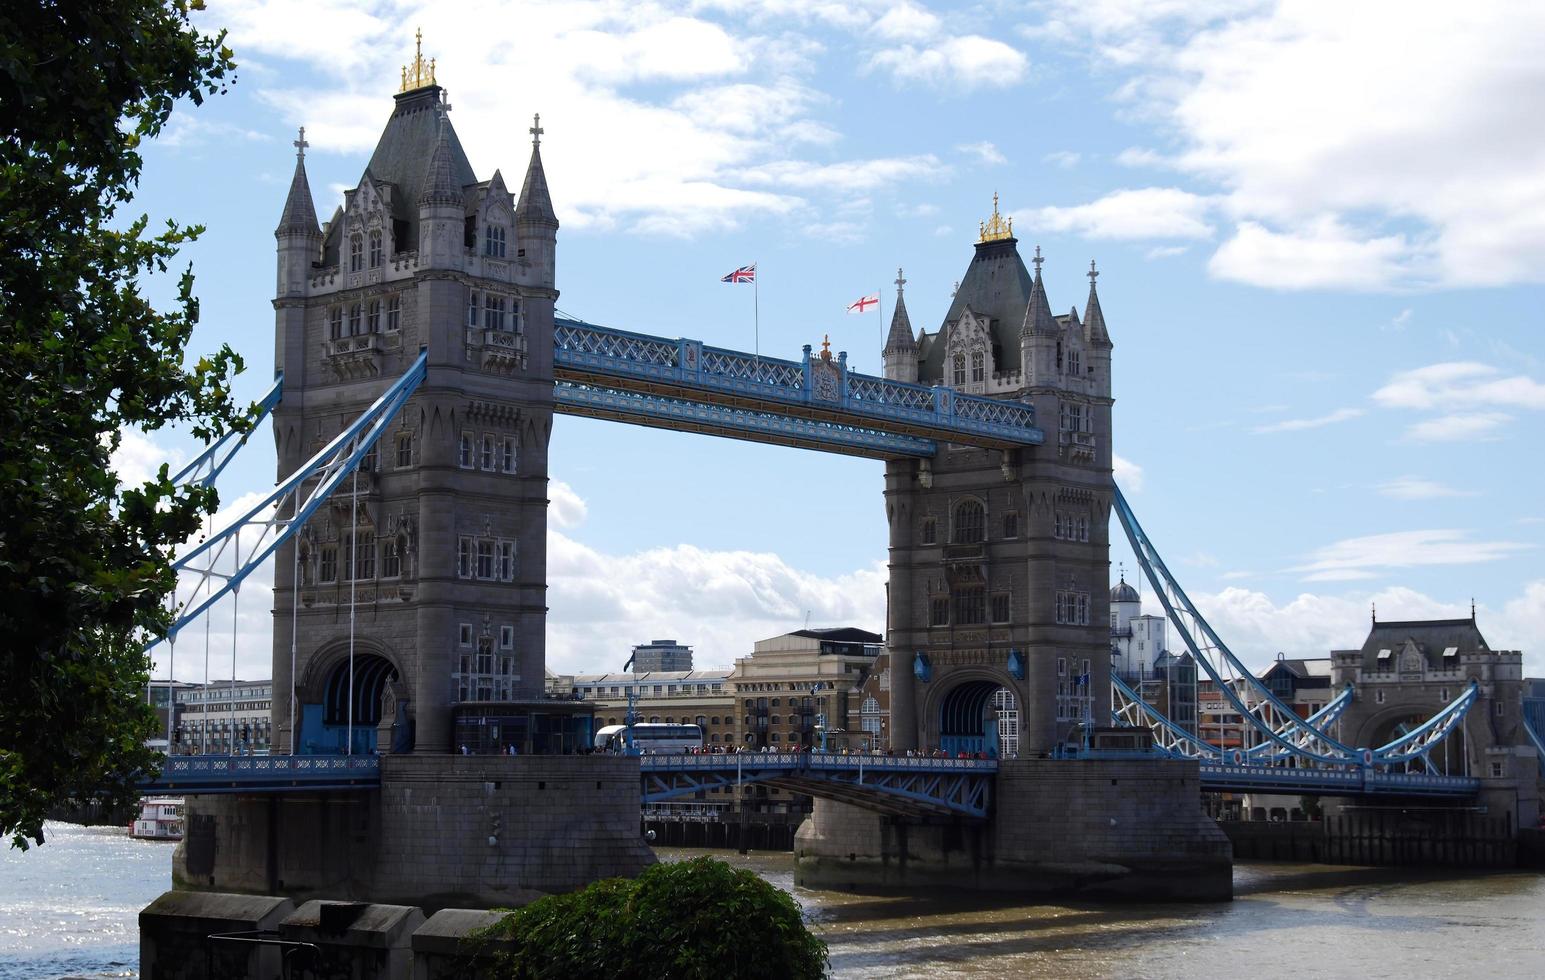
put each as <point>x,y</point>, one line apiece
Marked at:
<point>1128,829</point>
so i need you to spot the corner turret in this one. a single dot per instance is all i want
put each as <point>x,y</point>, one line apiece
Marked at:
<point>298,234</point>
<point>441,205</point>
<point>900,351</point>
<point>536,224</point>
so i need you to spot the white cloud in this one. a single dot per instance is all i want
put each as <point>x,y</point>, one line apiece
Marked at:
<point>1367,556</point>
<point>713,116</point>
<point>138,458</point>
<point>1417,488</point>
<point>1298,425</point>
<point>1066,159</point>
<point>1149,212</point>
<point>727,599</point>
<point>984,151</point>
<point>1256,627</point>
<point>1166,251</point>
<point>565,508</point>
<point>967,62</point>
<point>1413,135</point>
<point>1460,384</point>
<point>1399,320</point>
<point>1316,255</point>
<point>1127,474</point>
<point>1458,427</point>
<point>907,22</point>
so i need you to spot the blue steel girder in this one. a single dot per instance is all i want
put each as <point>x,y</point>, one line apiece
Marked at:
<point>207,466</point>
<point>915,787</point>
<point>605,401</point>
<point>199,775</point>
<point>1333,781</point>
<point>817,389</point>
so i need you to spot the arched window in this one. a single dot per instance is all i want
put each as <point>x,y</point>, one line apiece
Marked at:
<point>375,250</point>
<point>960,369</point>
<point>978,367</point>
<point>335,322</point>
<point>493,241</point>
<point>356,253</point>
<point>373,317</point>
<point>970,520</point>
<point>355,320</point>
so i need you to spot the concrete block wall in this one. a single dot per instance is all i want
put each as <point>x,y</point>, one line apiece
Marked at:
<point>1110,829</point>
<point>442,831</point>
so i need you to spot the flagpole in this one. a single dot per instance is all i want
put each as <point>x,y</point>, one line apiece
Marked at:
<point>756,316</point>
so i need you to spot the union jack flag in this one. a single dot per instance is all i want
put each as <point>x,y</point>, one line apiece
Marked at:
<point>746,273</point>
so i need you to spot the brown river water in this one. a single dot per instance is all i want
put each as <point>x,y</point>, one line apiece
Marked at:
<point>70,909</point>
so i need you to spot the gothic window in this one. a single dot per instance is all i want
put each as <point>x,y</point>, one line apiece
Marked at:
<point>515,326</point>
<point>375,250</point>
<point>473,301</point>
<point>506,561</point>
<point>506,642</point>
<point>1011,524</point>
<point>959,376</point>
<point>1081,529</point>
<point>335,322</point>
<point>493,312</point>
<point>373,317</point>
<point>978,368</point>
<point>404,450</point>
<point>1072,417</point>
<point>329,565</point>
<point>1000,607</point>
<point>485,559</point>
<point>493,241</point>
<point>486,455</point>
<point>391,559</point>
<point>1073,608</point>
<point>507,454</point>
<point>363,555</point>
<point>1378,697</point>
<point>464,451</point>
<point>970,606</point>
<point>393,313</point>
<point>464,557</point>
<point>930,532</point>
<point>356,320</point>
<point>1075,362</point>
<point>356,253</point>
<point>969,520</point>
<point>939,611</point>
<point>1059,355</point>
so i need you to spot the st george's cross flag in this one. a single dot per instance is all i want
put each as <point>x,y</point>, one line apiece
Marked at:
<point>864,304</point>
<point>746,273</point>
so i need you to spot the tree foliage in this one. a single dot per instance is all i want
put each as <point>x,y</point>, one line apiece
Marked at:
<point>690,920</point>
<point>84,562</point>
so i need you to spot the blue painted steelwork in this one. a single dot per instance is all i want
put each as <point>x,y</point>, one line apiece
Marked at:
<point>1130,710</point>
<point>812,388</point>
<point>1288,734</point>
<point>644,408</point>
<point>197,775</point>
<point>1334,781</point>
<point>208,465</point>
<point>890,784</point>
<point>266,529</point>
<point>1534,725</point>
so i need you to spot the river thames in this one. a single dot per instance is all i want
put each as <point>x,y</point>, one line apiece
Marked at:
<point>69,908</point>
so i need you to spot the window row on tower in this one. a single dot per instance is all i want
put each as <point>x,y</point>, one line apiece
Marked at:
<point>978,368</point>
<point>357,250</point>
<point>483,674</point>
<point>353,558</point>
<point>485,559</point>
<point>969,525</point>
<point>491,453</point>
<point>493,311</point>
<point>969,606</point>
<point>365,317</point>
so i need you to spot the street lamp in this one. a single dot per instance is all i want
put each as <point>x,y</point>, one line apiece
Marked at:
<point>820,718</point>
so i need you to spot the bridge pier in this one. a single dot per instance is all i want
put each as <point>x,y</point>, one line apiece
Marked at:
<point>1108,829</point>
<point>442,831</point>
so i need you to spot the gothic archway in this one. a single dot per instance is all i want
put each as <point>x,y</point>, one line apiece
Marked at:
<point>979,715</point>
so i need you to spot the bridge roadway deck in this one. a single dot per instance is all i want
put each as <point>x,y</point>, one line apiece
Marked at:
<point>814,403</point>
<point>901,785</point>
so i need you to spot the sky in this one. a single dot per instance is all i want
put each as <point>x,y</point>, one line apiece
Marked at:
<point>1320,231</point>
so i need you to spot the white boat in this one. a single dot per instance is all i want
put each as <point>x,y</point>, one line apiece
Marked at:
<point>160,818</point>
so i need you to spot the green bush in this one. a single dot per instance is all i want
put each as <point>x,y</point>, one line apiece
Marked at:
<point>693,920</point>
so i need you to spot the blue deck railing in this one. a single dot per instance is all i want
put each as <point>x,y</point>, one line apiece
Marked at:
<point>200,774</point>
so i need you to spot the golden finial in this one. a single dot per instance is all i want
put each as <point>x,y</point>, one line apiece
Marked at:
<point>826,347</point>
<point>420,74</point>
<point>996,228</point>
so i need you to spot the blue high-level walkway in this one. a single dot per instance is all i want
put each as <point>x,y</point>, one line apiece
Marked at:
<point>813,403</point>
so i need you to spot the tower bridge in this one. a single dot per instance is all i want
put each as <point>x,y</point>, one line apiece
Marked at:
<point>421,363</point>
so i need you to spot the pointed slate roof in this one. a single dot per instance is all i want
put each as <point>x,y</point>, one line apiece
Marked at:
<point>1038,315</point>
<point>300,213</point>
<point>1094,319</point>
<point>440,185</point>
<point>535,203</point>
<point>996,285</point>
<point>900,336</point>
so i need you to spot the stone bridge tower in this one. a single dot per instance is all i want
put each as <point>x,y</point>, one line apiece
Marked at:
<point>432,576</point>
<point>999,561</point>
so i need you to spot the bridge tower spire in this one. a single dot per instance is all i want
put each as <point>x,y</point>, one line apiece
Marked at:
<point>900,352</point>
